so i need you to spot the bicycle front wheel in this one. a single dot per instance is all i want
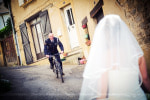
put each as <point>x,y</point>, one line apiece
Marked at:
<point>56,70</point>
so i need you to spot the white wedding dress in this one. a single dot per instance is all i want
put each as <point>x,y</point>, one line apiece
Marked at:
<point>115,51</point>
<point>124,85</point>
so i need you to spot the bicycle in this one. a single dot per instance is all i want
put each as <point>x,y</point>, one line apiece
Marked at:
<point>57,68</point>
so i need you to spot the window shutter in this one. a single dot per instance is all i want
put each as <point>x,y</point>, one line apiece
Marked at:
<point>26,43</point>
<point>45,23</point>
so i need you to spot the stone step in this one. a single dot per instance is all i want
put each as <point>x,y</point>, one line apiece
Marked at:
<point>72,57</point>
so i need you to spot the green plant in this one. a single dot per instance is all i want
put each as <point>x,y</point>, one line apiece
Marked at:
<point>5,85</point>
<point>148,96</point>
<point>7,30</point>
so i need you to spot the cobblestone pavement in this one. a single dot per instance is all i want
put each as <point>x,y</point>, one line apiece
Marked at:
<point>40,83</point>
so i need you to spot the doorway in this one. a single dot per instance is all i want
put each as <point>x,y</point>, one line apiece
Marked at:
<point>37,37</point>
<point>70,23</point>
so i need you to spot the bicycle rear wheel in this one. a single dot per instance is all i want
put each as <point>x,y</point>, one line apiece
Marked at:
<point>61,74</point>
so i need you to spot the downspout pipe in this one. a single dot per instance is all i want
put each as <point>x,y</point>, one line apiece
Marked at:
<point>14,32</point>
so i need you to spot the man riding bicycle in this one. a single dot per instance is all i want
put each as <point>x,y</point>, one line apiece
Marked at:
<point>50,48</point>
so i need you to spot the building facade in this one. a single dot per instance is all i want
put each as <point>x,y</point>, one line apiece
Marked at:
<point>74,22</point>
<point>8,56</point>
<point>34,19</point>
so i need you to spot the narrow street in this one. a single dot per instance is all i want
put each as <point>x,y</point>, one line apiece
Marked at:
<point>40,83</point>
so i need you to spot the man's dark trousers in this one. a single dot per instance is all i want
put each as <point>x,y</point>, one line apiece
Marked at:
<point>58,59</point>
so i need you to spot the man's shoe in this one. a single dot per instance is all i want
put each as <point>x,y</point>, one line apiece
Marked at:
<point>63,74</point>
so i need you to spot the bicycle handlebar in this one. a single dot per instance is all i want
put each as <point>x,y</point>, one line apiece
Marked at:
<point>54,55</point>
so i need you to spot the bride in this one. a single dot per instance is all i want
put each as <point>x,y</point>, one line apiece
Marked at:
<point>116,67</point>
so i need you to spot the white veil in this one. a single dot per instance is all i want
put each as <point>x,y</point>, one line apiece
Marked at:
<point>113,45</point>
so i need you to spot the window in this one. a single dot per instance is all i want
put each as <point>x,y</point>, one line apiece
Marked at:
<point>37,37</point>
<point>97,11</point>
<point>99,15</point>
<point>3,20</point>
<point>21,2</point>
<point>24,2</point>
<point>70,16</point>
<point>6,16</point>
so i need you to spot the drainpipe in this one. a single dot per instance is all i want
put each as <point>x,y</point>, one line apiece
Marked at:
<point>14,32</point>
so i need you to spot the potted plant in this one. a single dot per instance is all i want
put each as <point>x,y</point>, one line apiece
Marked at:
<point>88,43</point>
<point>86,36</point>
<point>84,26</point>
<point>65,54</point>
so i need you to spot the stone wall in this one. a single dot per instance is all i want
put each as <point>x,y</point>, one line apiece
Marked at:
<point>138,16</point>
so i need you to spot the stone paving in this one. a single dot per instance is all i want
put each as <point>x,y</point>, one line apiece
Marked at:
<point>40,83</point>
